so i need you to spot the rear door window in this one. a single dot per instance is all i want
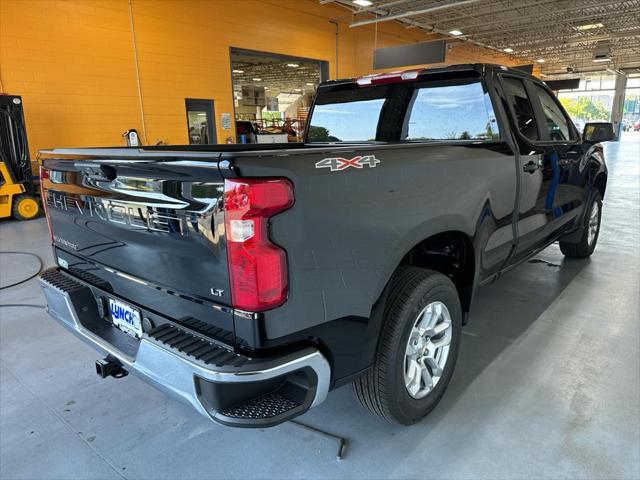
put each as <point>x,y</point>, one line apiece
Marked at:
<point>522,108</point>
<point>556,121</point>
<point>450,112</point>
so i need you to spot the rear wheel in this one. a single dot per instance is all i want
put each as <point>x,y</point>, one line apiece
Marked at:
<point>25,207</point>
<point>591,230</point>
<point>418,347</point>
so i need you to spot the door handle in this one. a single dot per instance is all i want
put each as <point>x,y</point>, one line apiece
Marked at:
<point>530,167</point>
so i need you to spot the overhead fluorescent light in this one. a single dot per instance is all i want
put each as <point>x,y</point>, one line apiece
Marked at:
<point>508,50</point>
<point>589,26</point>
<point>540,60</point>
<point>363,3</point>
<point>238,71</point>
<point>598,60</point>
<point>311,84</point>
<point>293,65</point>
<point>455,32</point>
<point>257,79</point>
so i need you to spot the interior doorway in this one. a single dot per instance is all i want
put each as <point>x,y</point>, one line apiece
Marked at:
<point>272,94</point>
<point>200,121</point>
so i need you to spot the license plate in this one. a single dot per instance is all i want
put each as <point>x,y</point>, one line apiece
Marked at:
<point>125,317</point>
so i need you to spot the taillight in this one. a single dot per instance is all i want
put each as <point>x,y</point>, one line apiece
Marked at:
<point>44,175</point>
<point>257,267</point>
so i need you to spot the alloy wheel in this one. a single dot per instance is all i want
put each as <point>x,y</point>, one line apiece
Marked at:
<point>427,349</point>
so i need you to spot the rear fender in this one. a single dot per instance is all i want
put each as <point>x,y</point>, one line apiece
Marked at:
<point>433,227</point>
<point>421,232</point>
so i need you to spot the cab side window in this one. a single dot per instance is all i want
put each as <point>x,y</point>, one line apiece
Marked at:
<point>519,101</point>
<point>555,119</point>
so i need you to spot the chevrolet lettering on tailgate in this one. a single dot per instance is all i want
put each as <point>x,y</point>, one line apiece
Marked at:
<point>135,216</point>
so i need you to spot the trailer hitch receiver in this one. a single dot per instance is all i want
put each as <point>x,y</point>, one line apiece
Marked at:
<point>110,367</point>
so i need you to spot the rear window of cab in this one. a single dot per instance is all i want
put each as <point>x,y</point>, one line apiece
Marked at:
<point>416,112</point>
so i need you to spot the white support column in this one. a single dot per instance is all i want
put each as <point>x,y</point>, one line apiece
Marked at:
<point>618,103</point>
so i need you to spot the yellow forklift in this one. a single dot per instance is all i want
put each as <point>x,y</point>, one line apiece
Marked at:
<point>18,190</point>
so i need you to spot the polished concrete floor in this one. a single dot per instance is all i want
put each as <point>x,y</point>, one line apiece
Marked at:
<point>547,385</point>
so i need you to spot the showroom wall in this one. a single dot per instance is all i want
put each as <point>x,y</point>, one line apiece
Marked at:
<point>90,69</point>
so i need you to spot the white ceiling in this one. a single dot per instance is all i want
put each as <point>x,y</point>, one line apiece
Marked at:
<point>552,30</point>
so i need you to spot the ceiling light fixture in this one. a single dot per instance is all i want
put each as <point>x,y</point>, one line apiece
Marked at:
<point>363,3</point>
<point>257,79</point>
<point>589,26</point>
<point>238,71</point>
<point>455,33</point>
<point>293,65</point>
<point>311,84</point>
<point>540,60</point>
<point>508,50</point>
<point>598,60</point>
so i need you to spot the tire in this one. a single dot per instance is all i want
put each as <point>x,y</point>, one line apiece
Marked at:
<point>383,389</point>
<point>25,207</point>
<point>587,244</point>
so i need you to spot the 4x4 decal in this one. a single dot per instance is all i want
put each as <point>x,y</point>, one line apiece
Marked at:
<point>337,164</point>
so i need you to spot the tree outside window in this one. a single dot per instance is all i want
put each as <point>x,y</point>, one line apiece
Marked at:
<point>585,109</point>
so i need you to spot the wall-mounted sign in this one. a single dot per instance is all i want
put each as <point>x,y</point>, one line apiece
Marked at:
<point>564,84</point>
<point>525,68</point>
<point>416,54</point>
<point>225,121</point>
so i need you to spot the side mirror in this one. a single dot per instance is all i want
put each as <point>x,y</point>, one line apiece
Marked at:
<point>598,132</point>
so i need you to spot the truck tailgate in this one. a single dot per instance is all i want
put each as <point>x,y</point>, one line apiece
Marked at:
<point>147,226</point>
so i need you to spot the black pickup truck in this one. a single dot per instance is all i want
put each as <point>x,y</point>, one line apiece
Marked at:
<point>250,281</point>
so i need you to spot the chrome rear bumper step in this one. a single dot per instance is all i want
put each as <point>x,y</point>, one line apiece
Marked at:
<point>223,385</point>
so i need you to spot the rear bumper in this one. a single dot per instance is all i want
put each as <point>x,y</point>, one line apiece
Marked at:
<point>222,385</point>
